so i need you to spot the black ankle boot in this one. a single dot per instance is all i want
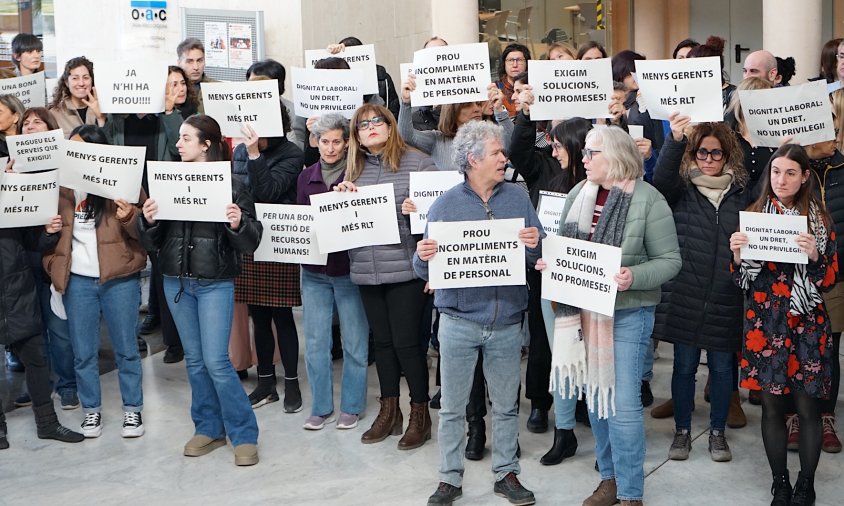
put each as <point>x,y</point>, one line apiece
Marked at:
<point>4,442</point>
<point>804,491</point>
<point>476,440</point>
<point>565,444</point>
<point>264,392</point>
<point>292,396</point>
<point>781,490</point>
<point>48,426</point>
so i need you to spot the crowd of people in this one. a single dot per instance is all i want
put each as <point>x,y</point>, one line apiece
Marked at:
<point>670,200</point>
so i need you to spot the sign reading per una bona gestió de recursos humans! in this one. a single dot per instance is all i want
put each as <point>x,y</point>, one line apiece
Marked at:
<point>28,200</point>
<point>31,90</point>
<point>477,253</point>
<point>190,191</point>
<point>772,237</point>
<point>288,235</point>
<point>346,220</point>
<point>580,273</point>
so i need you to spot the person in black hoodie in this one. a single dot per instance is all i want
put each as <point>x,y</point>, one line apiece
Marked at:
<point>199,261</point>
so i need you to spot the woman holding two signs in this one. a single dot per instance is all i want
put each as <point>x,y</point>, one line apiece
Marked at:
<point>787,346</point>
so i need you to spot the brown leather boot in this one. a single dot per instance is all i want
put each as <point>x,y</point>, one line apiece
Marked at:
<point>604,495</point>
<point>736,418</point>
<point>387,423</point>
<point>631,503</point>
<point>418,427</point>
<point>664,410</point>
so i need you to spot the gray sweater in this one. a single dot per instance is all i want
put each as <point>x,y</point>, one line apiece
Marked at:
<point>434,143</point>
<point>389,263</point>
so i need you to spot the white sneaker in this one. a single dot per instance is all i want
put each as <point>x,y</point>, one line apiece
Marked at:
<point>92,426</point>
<point>133,425</point>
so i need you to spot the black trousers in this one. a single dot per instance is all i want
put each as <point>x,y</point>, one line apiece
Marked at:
<point>538,373</point>
<point>394,311</point>
<point>169,332</point>
<point>31,354</point>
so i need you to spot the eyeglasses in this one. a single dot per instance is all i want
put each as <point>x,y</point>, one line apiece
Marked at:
<point>375,121</point>
<point>590,153</point>
<point>514,60</point>
<point>717,154</point>
<point>840,56</point>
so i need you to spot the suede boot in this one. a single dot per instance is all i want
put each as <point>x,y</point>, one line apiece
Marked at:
<point>736,418</point>
<point>565,444</point>
<point>387,423</point>
<point>418,427</point>
<point>48,426</point>
<point>476,439</point>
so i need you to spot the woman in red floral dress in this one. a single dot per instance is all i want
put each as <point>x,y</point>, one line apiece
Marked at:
<point>786,326</point>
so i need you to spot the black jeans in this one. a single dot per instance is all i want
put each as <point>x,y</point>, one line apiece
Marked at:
<point>538,373</point>
<point>169,332</point>
<point>31,354</point>
<point>394,311</point>
<point>288,339</point>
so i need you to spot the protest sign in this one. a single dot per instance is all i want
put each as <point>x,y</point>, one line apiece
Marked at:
<point>135,86</point>
<point>113,172</point>
<point>425,187</point>
<point>477,253</point>
<point>405,69</point>
<point>31,90</point>
<point>451,74</point>
<point>580,273</point>
<point>550,210</point>
<point>358,57</point>
<point>288,235</point>
<point>568,89</point>
<point>320,91</point>
<point>253,102</point>
<point>691,86</point>
<point>800,111</point>
<point>28,200</point>
<point>636,131</point>
<point>190,191</point>
<point>37,151</point>
<point>772,237</point>
<point>346,220</point>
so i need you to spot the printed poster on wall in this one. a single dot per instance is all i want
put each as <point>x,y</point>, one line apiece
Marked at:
<point>240,46</point>
<point>216,44</point>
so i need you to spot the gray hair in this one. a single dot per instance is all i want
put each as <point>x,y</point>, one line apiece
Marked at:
<point>331,121</point>
<point>471,140</point>
<point>624,162</point>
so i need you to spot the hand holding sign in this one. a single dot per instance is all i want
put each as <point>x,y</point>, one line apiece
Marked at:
<point>407,86</point>
<point>496,96</point>
<point>529,236</point>
<point>526,98</point>
<point>679,123</point>
<point>124,209</point>
<point>55,225</point>
<point>234,215</point>
<point>426,249</point>
<point>150,210</point>
<point>809,245</point>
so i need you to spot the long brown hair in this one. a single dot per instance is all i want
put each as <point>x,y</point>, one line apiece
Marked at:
<point>192,97</point>
<point>393,151</point>
<point>804,197</point>
<point>62,90</point>
<point>448,116</point>
<point>733,157</point>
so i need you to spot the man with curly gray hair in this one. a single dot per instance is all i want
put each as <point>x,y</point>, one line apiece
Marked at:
<point>487,320</point>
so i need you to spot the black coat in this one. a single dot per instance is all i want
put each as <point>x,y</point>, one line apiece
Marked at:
<point>201,249</point>
<point>702,306</point>
<point>271,178</point>
<point>20,310</point>
<point>540,170</point>
<point>830,179</point>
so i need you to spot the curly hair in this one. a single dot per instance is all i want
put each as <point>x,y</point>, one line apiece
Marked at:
<point>733,156</point>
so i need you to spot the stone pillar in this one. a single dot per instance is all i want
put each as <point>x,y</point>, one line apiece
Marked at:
<point>455,20</point>
<point>649,28</point>
<point>794,29</point>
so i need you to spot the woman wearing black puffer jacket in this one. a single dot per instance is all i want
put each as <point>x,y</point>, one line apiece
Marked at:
<point>703,179</point>
<point>199,261</point>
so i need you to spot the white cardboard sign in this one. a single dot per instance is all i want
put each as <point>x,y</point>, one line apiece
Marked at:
<point>288,235</point>
<point>28,200</point>
<point>346,220</point>
<point>771,237</point>
<point>320,91</point>
<point>31,90</point>
<point>800,111</point>
<point>425,188</point>
<point>477,253</point>
<point>38,151</point>
<point>550,210</point>
<point>253,102</point>
<point>568,89</point>
<point>451,74</point>
<point>580,273</point>
<point>131,86</point>
<point>358,57</point>
<point>691,86</point>
<point>113,172</point>
<point>190,191</point>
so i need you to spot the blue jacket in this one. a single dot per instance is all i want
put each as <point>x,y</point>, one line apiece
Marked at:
<point>491,305</point>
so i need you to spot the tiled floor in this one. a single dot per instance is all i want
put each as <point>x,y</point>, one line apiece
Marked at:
<point>331,467</point>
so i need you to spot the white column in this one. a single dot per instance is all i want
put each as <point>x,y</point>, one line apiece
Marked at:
<point>455,20</point>
<point>794,29</point>
<point>649,28</point>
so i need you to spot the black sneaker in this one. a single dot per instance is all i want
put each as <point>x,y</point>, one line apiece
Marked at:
<point>92,426</point>
<point>647,395</point>
<point>23,400</point>
<point>174,355</point>
<point>142,345</point>
<point>445,495</point>
<point>150,324</point>
<point>133,424</point>
<point>510,488</point>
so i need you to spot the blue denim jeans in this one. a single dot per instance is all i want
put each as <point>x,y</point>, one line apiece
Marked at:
<point>85,299</point>
<point>320,293</point>
<point>203,315</point>
<point>564,407</point>
<point>59,345</point>
<point>686,360</point>
<point>620,438</point>
<point>460,342</point>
